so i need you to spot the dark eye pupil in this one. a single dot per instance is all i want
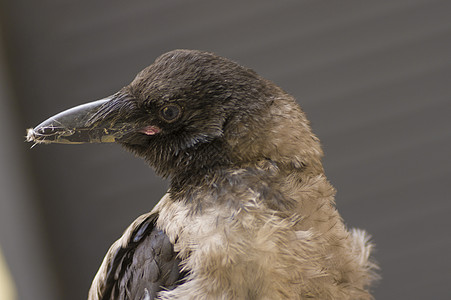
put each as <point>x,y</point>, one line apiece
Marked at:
<point>170,113</point>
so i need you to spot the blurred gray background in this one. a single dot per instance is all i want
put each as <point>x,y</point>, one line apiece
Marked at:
<point>373,76</point>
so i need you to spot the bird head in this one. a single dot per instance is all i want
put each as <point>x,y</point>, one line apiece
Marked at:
<point>189,113</point>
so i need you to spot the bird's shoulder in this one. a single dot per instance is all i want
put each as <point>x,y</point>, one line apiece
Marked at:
<point>138,265</point>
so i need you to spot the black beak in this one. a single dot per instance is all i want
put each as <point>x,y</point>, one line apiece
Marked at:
<point>83,124</point>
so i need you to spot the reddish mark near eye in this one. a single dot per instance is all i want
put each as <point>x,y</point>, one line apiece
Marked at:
<point>150,130</point>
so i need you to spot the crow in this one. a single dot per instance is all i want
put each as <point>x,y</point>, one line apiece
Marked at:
<point>249,213</point>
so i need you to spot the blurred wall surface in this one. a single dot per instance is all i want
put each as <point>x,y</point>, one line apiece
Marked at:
<point>21,224</point>
<point>374,77</point>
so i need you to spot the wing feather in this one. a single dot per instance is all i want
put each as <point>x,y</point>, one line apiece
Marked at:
<point>139,265</point>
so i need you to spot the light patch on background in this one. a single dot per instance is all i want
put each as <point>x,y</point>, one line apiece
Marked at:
<point>7,287</point>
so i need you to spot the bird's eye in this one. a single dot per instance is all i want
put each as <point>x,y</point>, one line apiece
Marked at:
<point>170,113</point>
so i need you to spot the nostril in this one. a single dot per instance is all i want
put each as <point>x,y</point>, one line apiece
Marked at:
<point>44,130</point>
<point>47,130</point>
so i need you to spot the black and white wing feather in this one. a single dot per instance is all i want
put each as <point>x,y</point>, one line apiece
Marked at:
<point>138,265</point>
